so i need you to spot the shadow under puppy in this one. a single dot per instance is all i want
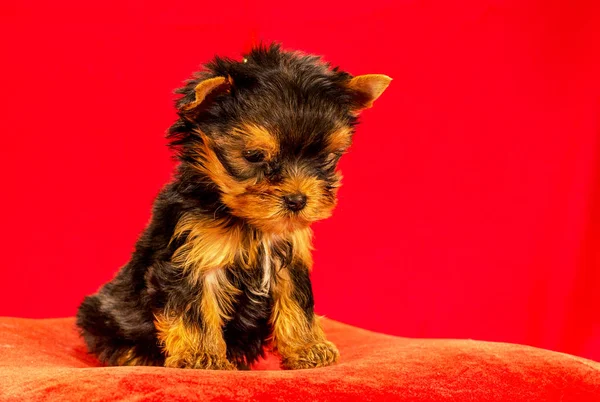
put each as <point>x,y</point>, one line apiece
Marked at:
<point>222,270</point>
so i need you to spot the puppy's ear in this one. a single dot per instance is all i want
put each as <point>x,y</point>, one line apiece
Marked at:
<point>205,90</point>
<point>366,89</point>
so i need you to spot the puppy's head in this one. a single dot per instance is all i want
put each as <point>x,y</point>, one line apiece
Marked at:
<point>268,132</point>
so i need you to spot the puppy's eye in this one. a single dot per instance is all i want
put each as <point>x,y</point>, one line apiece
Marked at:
<point>254,156</point>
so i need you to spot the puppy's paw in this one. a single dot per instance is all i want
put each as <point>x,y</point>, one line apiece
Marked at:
<point>212,362</point>
<point>203,361</point>
<point>314,355</point>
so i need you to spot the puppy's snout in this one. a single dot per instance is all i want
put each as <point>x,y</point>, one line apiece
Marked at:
<point>295,202</point>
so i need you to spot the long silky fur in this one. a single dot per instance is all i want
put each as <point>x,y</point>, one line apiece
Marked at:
<point>300,98</point>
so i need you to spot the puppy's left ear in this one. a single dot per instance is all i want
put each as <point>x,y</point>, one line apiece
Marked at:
<point>366,89</point>
<point>206,89</point>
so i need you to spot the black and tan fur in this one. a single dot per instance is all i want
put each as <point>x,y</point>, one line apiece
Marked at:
<point>221,273</point>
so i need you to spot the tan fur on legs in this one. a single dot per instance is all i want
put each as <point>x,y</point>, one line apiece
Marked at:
<point>192,346</point>
<point>300,341</point>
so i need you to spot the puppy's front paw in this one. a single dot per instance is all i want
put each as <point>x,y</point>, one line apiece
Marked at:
<point>314,355</point>
<point>205,361</point>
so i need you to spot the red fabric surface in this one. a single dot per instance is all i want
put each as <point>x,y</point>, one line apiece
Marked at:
<point>45,359</point>
<point>470,207</point>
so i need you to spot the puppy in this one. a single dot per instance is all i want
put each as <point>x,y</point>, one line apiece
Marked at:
<point>221,273</point>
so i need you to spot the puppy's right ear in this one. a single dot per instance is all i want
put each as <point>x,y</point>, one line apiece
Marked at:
<point>366,89</point>
<point>204,91</point>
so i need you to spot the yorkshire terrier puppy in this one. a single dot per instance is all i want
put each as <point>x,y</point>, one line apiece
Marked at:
<point>221,272</point>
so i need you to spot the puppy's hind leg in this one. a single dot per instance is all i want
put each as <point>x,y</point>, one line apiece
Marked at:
<point>107,340</point>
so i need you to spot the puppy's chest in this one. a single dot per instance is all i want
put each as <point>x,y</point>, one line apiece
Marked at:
<point>243,258</point>
<point>257,276</point>
<point>268,265</point>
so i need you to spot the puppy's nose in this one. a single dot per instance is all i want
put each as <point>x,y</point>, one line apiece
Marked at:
<point>295,202</point>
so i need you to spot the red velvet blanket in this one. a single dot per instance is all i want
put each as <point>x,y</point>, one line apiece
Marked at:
<point>45,359</point>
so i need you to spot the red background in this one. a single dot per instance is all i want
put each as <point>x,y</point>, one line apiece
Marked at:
<point>471,205</point>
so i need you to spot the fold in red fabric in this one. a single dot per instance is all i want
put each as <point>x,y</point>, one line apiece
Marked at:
<point>46,360</point>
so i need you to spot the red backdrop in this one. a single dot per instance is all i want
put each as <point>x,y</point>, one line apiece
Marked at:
<point>471,200</point>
